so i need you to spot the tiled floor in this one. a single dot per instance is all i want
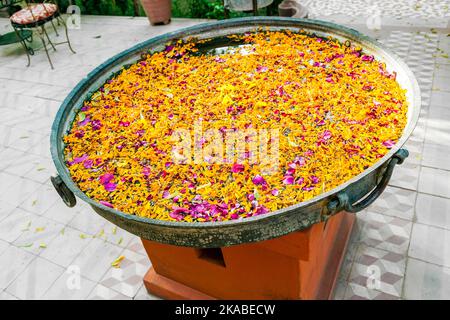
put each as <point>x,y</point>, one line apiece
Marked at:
<point>400,246</point>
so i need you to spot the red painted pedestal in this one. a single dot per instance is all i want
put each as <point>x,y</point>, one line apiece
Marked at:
<point>300,265</point>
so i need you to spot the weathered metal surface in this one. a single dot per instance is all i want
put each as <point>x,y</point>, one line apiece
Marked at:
<point>274,224</point>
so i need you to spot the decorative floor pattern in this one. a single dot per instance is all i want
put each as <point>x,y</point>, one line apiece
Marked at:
<point>399,9</point>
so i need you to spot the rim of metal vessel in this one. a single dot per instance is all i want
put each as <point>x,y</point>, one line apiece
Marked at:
<point>238,22</point>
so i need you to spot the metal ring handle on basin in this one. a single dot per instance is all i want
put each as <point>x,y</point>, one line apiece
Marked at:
<point>64,192</point>
<point>342,201</point>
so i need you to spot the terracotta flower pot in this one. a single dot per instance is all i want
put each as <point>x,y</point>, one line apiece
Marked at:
<point>157,11</point>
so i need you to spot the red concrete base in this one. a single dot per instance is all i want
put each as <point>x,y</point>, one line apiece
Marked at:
<point>300,265</point>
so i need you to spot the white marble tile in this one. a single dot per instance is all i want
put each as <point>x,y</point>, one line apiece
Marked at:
<point>15,224</point>
<point>19,191</point>
<point>433,211</point>
<point>6,296</point>
<point>426,281</point>
<point>35,280</point>
<point>12,263</point>
<point>435,181</point>
<point>65,247</point>
<point>38,235</point>
<point>430,244</point>
<point>60,212</point>
<point>40,200</point>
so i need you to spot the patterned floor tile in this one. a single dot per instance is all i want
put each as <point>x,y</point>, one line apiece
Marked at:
<point>96,258</point>
<point>357,292</point>
<point>101,292</point>
<point>433,211</point>
<point>137,246</point>
<point>143,294</point>
<point>35,280</point>
<point>364,8</point>
<point>128,278</point>
<point>379,270</point>
<point>430,244</point>
<point>426,281</point>
<point>396,202</point>
<point>385,232</point>
<point>339,290</point>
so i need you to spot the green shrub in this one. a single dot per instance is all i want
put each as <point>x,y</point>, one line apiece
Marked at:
<point>203,9</point>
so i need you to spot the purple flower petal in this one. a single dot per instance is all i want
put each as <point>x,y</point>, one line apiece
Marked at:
<point>88,163</point>
<point>178,213</point>
<point>234,216</point>
<point>367,58</point>
<point>288,180</point>
<point>262,69</point>
<point>321,122</point>
<point>290,171</point>
<point>84,122</point>
<point>314,179</point>
<point>326,135</point>
<point>81,159</point>
<point>165,194</point>
<point>219,60</point>
<point>275,192</point>
<point>258,180</point>
<point>110,186</point>
<point>107,204</point>
<point>261,210</point>
<point>96,124</point>
<point>79,134</point>
<point>389,144</point>
<point>107,177</point>
<point>237,168</point>
<point>300,161</point>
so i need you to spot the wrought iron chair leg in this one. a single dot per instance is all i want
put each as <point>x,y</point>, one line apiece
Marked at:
<point>48,38</point>
<point>67,34</point>
<point>46,51</point>
<point>22,41</point>
<point>54,28</point>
